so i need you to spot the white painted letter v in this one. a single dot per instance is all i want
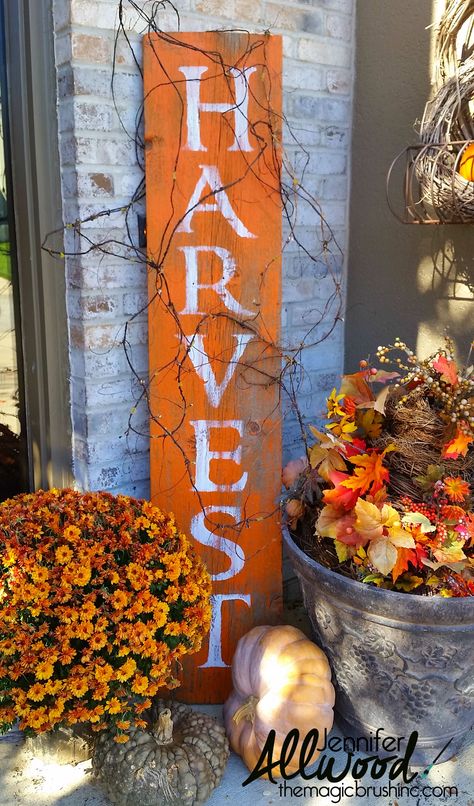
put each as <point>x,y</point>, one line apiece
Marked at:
<point>202,365</point>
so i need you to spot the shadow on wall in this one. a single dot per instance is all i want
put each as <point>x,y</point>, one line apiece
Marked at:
<point>411,281</point>
<point>446,284</point>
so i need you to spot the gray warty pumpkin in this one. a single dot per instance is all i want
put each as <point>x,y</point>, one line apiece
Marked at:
<point>177,762</point>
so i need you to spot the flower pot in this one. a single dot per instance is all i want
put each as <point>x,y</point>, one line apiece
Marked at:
<point>401,662</point>
<point>65,745</point>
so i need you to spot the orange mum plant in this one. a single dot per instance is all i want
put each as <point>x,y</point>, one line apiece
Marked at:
<point>99,597</point>
<point>385,493</point>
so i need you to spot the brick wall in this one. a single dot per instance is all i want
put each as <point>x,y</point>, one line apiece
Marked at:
<point>99,171</point>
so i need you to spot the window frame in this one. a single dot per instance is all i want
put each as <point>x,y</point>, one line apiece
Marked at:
<point>36,185</point>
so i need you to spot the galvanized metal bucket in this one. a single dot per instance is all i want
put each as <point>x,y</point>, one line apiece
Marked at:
<point>400,662</point>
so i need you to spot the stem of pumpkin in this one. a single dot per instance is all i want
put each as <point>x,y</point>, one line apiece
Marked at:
<point>163,728</point>
<point>246,710</point>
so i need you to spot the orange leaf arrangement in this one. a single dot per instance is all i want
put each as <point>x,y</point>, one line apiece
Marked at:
<point>387,493</point>
<point>100,596</point>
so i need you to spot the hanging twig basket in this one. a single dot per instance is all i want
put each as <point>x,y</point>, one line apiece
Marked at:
<point>439,172</point>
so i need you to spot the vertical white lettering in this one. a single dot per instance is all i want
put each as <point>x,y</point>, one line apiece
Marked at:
<point>210,177</point>
<point>194,106</point>
<point>193,286</point>
<point>232,550</point>
<point>204,455</point>
<point>214,657</point>
<point>200,360</point>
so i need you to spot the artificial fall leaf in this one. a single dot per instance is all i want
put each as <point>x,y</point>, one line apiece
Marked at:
<point>339,526</point>
<point>409,582</point>
<point>451,553</point>
<point>404,557</point>
<point>355,448</point>
<point>457,446</point>
<point>382,376</point>
<point>292,471</point>
<point>370,472</point>
<point>326,525</point>
<point>379,403</point>
<point>342,550</point>
<point>294,510</point>
<point>375,579</point>
<point>356,387</point>
<point>369,519</point>
<point>434,473</point>
<point>447,369</point>
<point>417,519</point>
<point>326,460</point>
<point>382,554</point>
<point>371,423</point>
<point>340,497</point>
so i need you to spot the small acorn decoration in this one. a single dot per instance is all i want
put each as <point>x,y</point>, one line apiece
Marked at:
<point>178,761</point>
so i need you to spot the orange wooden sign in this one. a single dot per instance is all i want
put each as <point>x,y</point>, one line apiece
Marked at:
<point>212,133</point>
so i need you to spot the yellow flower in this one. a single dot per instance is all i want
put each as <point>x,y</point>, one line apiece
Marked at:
<point>119,599</point>
<point>126,670</point>
<point>82,574</point>
<point>140,684</point>
<point>63,555</point>
<point>72,533</point>
<point>103,673</point>
<point>44,670</point>
<point>78,687</point>
<point>123,724</point>
<point>97,640</point>
<point>39,573</point>
<point>334,409</point>
<point>37,692</point>
<point>114,706</point>
<point>343,429</point>
<point>121,738</point>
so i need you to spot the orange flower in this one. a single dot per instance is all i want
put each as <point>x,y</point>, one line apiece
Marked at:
<point>123,724</point>
<point>139,684</point>
<point>63,555</point>
<point>103,673</point>
<point>119,599</point>
<point>82,575</point>
<point>126,670</point>
<point>121,738</point>
<point>84,565</point>
<point>456,488</point>
<point>97,640</point>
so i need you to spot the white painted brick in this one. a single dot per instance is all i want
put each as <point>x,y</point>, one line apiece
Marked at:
<point>339,26</point>
<point>90,116</point>
<point>290,47</point>
<point>136,489</point>
<point>113,362</point>
<point>339,81</point>
<point>334,110</point>
<point>322,52</point>
<point>303,77</point>
<point>62,49</point>
<point>94,13</point>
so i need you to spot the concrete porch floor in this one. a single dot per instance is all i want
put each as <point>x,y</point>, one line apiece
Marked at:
<point>26,780</point>
<point>29,781</point>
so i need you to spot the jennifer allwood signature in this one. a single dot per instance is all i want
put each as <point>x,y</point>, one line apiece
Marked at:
<point>394,765</point>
